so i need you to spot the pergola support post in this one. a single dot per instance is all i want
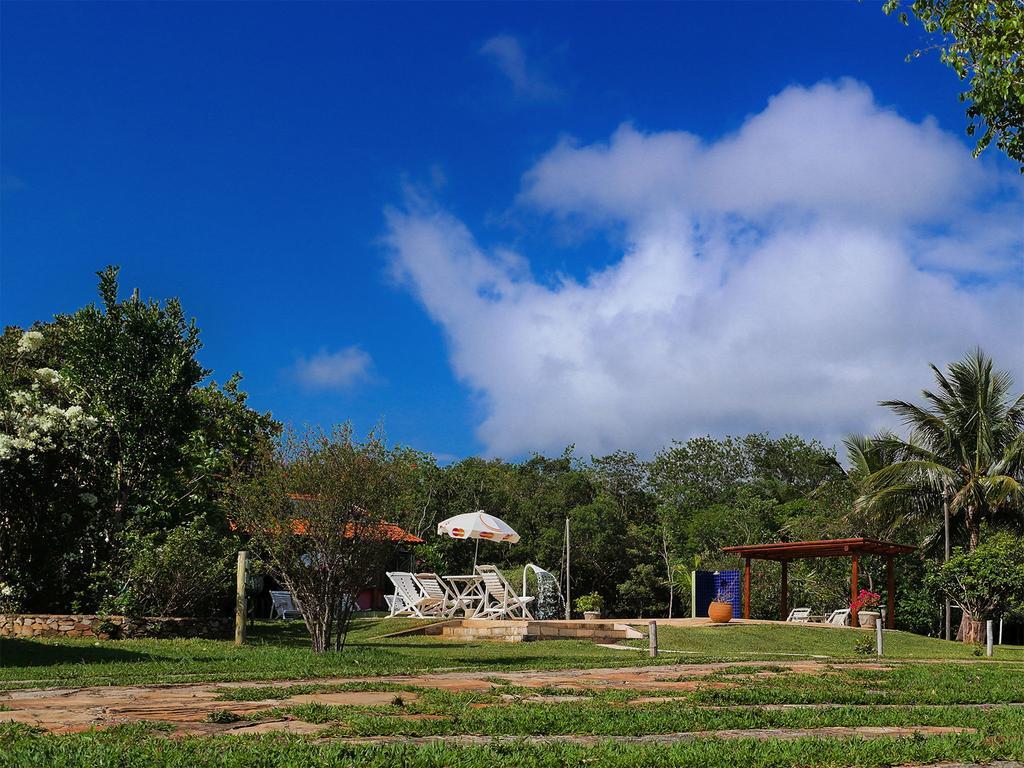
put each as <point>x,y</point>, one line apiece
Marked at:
<point>854,548</point>
<point>746,588</point>
<point>890,601</point>
<point>854,581</point>
<point>784,594</point>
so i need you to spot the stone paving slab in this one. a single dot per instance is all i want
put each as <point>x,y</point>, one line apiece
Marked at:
<point>188,705</point>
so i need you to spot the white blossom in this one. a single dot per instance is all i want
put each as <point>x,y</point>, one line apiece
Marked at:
<point>29,341</point>
<point>47,376</point>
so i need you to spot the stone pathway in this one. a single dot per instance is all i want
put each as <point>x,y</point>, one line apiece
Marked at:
<point>188,706</point>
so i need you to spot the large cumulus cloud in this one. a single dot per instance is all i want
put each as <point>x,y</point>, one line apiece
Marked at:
<point>785,277</point>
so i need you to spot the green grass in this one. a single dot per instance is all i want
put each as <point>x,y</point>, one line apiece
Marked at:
<point>736,697</point>
<point>276,651</point>
<point>775,641</point>
<point>904,695</point>
<point>279,651</point>
<point>131,748</point>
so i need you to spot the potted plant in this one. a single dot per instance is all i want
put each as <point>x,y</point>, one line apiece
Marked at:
<point>720,609</point>
<point>862,605</point>
<point>590,606</point>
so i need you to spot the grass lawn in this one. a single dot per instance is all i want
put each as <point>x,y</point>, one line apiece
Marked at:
<point>720,712</point>
<point>767,640</point>
<point>137,748</point>
<point>281,651</point>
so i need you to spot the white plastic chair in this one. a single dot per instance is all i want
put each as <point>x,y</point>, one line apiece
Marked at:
<point>840,618</point>
<point>500,600</point>
<point>413,598</point>
<point>282,604</point>
<point>800,615</point>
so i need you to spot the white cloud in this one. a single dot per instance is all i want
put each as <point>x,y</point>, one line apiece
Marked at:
<point>509,57</point>
<point>334,370</point>
<point>783,278</point>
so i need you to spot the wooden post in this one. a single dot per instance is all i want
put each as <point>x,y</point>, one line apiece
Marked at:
<point>240,606</point>
<point>890,603</point>
<point>746,588</point>
<point>568,594</point>
<point>784,597</point>
<point>854,580</point>
<point>652,639</point>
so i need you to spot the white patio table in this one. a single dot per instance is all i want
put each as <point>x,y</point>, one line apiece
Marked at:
<point>469,592</point>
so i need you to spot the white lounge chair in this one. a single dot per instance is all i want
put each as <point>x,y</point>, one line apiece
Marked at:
<point>414,599</point>
<point>284,606</point>
<point>395,604</point>
<point>840,618</point>
<point>500,600</point>
<point>435,586</point>
<point>800,615</point>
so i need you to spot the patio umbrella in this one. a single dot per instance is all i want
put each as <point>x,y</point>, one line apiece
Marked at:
<point>478,525</point>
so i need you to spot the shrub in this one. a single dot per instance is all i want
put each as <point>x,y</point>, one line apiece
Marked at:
<point>864,646</point>
<point>591,602</point>
<point>187,571</point>
<point>643,593</point>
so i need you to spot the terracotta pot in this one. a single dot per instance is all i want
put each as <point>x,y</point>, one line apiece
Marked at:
<point>867,619</point>
<point>591,615</point>
<point>720,613</point>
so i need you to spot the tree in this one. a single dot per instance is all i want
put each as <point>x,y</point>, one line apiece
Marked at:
<point>982,41</point>
<point>135,362</point>
<point>965,450</point>
<point>318,511</point>
<point>106,429</point>
<point>986,582</point>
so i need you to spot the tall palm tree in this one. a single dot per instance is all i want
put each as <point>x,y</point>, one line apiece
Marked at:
<point>964,452</point>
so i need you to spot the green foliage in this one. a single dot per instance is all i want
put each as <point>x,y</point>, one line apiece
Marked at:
<point>980,40</point>
<point>864,646</point>
<point>988,581</point>
<point>105,430</point>
<point>588,603</point>
<point>186,571</point>
<point>315,511</point>
<point>643,593</point>
<point>965,451</point>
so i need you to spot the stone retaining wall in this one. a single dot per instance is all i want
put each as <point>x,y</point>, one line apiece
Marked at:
<point>110,627</point>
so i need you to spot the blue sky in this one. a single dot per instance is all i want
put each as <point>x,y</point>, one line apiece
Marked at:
<point>504,228</point>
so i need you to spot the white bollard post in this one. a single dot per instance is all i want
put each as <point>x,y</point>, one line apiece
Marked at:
<point>652,637</point>
<point>988,639</point>
<point>1000,630</point>
<point>878,637</point>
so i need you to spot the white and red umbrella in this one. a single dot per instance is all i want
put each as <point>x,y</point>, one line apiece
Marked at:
<point>478,525</point>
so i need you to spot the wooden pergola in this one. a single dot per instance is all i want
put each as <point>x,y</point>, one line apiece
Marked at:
<point>802,550</point>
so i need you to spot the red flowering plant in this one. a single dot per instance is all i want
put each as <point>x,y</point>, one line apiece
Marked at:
<point>864,599</point>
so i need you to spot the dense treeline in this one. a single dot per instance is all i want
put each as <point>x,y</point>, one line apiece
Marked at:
<point>116,453</point>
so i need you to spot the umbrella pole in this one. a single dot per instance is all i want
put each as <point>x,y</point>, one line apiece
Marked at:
<point>476,550</point>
